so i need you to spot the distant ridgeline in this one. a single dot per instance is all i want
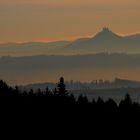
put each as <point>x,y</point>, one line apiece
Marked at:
<point>41,67</point>
<point>95,84</point>
<point>103,41</point>
<point>59,96</point>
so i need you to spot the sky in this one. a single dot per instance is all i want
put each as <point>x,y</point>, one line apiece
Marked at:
<point>49,20</point>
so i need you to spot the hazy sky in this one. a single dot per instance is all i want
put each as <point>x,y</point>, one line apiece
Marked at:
<point>33,20</point>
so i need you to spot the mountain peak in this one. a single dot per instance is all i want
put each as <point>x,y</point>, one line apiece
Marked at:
<point>106,33</point>
<point>106,29</point>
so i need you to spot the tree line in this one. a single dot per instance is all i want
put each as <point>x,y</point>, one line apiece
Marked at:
<point>60,97</point>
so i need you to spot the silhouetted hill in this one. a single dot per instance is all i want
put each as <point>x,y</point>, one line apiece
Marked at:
<point>31,48</point>
<point>135,37</point>
<point>106,35</point>
<point>106,41</point>
<point>103,41</point>
<point>42,68</point>
<point>100,60</point>
<point>60,98</point>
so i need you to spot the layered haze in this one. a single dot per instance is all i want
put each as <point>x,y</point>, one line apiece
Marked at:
<point>104,41</point>
<point>41,40</point>
<point>86,68</point>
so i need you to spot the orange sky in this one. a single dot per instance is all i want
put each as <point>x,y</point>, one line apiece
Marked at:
<point>33,20</point>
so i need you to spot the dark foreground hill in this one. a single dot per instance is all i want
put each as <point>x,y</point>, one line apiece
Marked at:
<point>59,98</point>
<point>46,113</point>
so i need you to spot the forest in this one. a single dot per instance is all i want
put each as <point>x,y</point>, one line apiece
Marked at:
<point>59,98</point>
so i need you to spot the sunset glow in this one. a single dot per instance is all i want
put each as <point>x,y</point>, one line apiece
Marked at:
<point>51,20</point>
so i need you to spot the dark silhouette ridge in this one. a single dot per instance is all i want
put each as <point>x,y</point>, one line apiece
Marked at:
<point>58,110</point>
<point>103,41</point>
<point>106,33</point>
<point>26,69</point>
<point>60,99</point>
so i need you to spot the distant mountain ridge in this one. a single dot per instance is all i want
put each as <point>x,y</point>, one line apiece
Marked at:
<point>106,34</point>
<point>98,84</point>
<point>88,67</point>
<point>107,41</point>
<point>103,41</point>
<point>31,48</point>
